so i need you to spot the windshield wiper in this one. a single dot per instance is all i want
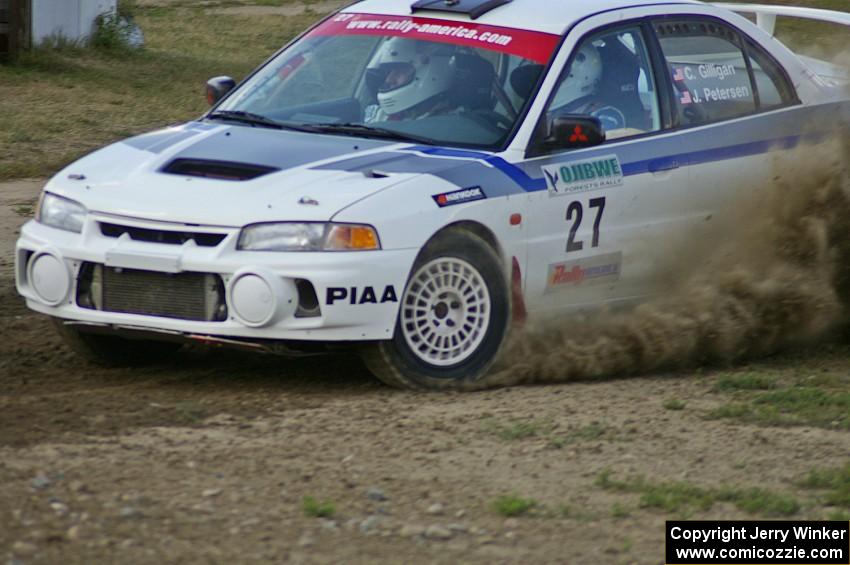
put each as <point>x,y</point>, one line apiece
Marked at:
<point>352,128</point>
<point>244,117</point>
<point>255,120</point>
<point>346,128</point>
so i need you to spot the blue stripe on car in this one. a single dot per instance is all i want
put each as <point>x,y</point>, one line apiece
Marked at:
<point>449,169</point>
<point>754,135</point>
<point>531,184</point>
<point>463,173</point>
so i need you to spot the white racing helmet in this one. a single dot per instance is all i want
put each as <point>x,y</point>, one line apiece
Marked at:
<point>411,72</point>
<point>584,77</point>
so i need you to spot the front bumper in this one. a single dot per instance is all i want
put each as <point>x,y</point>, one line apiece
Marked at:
<point>358,293</point>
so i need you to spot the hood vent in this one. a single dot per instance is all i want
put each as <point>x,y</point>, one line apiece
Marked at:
<point>472,8</point>
<point>222,170</point>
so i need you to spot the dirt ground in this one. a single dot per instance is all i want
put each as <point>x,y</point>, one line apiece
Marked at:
<point>208,458</point>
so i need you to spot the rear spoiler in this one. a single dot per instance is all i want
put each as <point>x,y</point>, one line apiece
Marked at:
<point>766,15</point>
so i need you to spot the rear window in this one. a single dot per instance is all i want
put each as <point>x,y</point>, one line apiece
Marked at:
<point>773,87</point>
<point>709,70</point>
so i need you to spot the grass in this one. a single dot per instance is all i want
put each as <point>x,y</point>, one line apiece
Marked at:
<point>756,500</point>
<point>792,406</point>
<point>517,429</point>
<point>314,508</point>
<point>745,381</point>
<point>113,29</point>
<point>808,37</point>
<point>591,432</point>
<point>567,512</point>
<point>684,498</point>
<point>620,511</point>
<point>799,388</point>
<point>24,209</point>
<point>512,505</point>
<point>190,412</point>
<point>833,483</point>
<point>57,105</point>
<point>674,404</point>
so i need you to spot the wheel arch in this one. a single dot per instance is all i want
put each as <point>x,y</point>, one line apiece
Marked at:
<point>396,361</point>
<point>476,228</point>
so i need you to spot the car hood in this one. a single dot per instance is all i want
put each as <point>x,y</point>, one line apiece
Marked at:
<point>131,178</point>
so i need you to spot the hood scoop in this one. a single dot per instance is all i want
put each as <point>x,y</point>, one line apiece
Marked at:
<point>221,170</point>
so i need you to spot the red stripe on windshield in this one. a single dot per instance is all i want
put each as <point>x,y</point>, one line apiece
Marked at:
<point>533,45</point>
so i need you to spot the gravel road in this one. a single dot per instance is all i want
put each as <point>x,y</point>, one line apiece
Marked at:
<point>210,456</point>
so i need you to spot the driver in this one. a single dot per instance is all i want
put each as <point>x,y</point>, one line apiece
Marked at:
<point>579,93</point>
<point>412,79</point>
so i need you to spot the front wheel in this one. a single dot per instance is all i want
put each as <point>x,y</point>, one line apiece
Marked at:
<point>452,319</point>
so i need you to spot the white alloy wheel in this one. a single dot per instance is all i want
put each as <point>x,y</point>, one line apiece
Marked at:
<point>445,311</point>
<point>452,319</point>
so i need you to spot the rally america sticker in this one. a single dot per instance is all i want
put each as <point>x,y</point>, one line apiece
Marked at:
<point>532,45</point>
<point>583,176</point>
<point>459,196</point>
<point>588,270</point>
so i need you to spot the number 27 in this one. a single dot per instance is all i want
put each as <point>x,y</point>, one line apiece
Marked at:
<point>575,214</point>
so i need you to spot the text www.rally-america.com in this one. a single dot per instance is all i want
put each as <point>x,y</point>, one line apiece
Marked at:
<point>408,26</point>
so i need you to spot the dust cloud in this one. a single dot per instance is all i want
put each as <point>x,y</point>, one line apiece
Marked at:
<point>782,278</point>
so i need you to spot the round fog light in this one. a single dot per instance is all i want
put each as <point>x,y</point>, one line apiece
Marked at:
<point>260,299</point>
<point>49,278</point>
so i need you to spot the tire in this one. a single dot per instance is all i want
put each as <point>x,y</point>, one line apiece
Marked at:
<point>114,351</point>
<point>453,338</point>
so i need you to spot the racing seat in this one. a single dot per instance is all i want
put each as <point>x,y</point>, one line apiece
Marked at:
<point>618,86</point>
<point>524,78</point>
<point>473,83</point>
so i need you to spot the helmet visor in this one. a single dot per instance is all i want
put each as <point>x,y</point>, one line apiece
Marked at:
<point>396,75</point>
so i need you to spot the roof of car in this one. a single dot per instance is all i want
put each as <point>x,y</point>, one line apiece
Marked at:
<point>550,16</point>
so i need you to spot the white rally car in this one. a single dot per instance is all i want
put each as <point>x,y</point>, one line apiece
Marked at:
<point>414,176</point>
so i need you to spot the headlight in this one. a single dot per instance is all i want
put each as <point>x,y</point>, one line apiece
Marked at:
<point>61,213</point>
<point>314,236</point>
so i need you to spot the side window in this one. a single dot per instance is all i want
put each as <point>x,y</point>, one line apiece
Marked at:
<point>609,76</point>
<point>773,87</point>
<point>709,71</point>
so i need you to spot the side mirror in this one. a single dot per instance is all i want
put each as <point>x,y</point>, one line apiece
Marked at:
<point>565,132</point>
<point>574,131</point>
<point>218,87</point>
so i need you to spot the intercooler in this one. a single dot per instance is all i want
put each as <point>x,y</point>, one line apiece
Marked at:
<point>185,296</point>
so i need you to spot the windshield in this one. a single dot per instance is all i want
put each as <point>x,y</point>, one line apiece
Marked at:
<point>420,79</point>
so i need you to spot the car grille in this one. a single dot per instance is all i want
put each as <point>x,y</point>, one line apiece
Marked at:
<point>184,296</point>
<point>162,236</point>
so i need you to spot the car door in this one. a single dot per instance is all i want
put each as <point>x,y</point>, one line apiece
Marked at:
<point>722,87</point>
<point>735,113</point>
<point>581,249</point>
<point>727,113</point>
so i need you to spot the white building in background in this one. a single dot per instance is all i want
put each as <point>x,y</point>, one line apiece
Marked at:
<point>70,19</point>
